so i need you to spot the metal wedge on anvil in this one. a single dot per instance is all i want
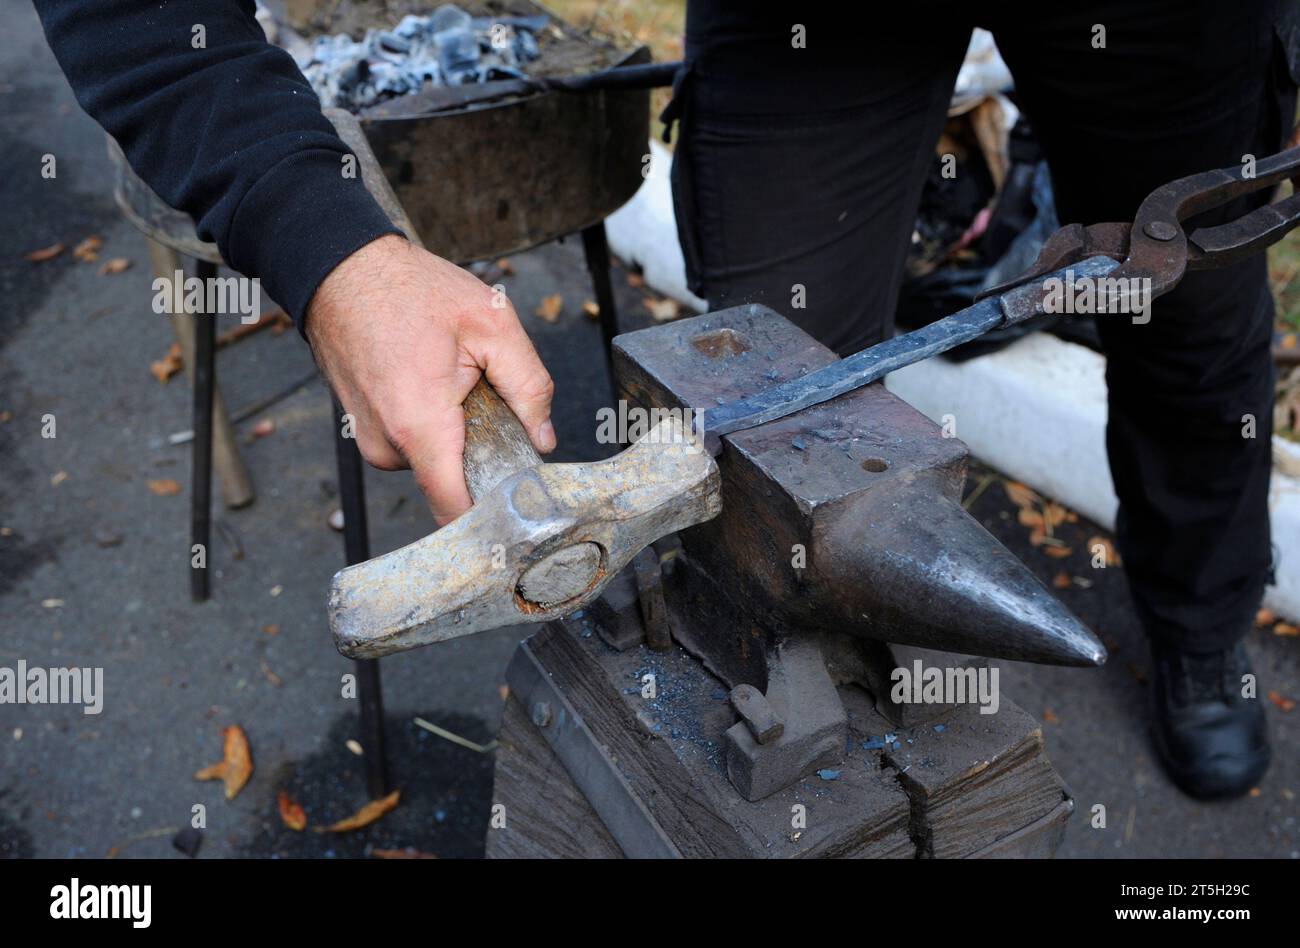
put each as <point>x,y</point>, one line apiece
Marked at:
<point>541,539</point>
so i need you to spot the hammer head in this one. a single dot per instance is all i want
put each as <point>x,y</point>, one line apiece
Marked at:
<point>543,543</point>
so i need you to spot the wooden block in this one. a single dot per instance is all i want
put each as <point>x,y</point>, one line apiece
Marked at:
<point>546,816</point>
<point>976,780</point>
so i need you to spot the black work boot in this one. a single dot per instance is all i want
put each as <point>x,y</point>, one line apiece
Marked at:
<point>1212,741</point>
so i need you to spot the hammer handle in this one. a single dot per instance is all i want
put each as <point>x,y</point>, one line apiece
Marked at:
<point>496,444</point>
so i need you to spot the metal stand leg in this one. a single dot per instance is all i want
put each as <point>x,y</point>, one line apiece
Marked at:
<point>596,248</point>
<point>356,547</point>
<point>205,349</point>
<point>232,476</point>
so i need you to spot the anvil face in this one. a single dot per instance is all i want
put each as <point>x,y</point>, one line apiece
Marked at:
<point>846,515</point>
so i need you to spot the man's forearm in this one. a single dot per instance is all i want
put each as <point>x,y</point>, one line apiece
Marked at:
<point>225,128</point>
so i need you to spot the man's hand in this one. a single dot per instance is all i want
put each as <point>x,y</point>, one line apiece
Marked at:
<point>403,336</point>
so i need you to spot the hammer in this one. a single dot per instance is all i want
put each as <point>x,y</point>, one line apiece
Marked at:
<point>540,541</point>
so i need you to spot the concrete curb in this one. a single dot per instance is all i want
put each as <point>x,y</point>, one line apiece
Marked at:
<point>1036,410</point>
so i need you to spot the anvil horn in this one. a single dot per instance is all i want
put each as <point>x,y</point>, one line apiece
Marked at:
<point>915,568</point>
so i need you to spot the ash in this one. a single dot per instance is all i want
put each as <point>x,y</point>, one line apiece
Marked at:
<point>447,47</point>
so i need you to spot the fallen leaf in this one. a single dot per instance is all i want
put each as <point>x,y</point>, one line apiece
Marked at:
<point>271,676</point>
<point>116,265</point>
<point>45,253</point>
<point>1020,495</point>
<point>1056,552</point>
<point>1286,629</point>
<point>164,368</point>
<point>263,428</point>
<point>407,853</point>
<point>1284,703</point>
<point>1061,581</point>
<point>549,308</point>
<point>1029,517</point>
<point>165,487</point>
<point>1108,548</point>
<point>271,629</point>
<point>277,320</point>
<point>590,309</point>
<point>1054,514</point>
<point>235,767</point>
<point>88,250</point>
<point>58,478</point>
<point>1049,717</point>
<point>663,311</point>
<point>52,603</point>
<point>354,746</point>
<point>292,814</point>
<point>366,815</point>
<point>503,691</point>
<point>1265,617</point>
<point>635,280</point>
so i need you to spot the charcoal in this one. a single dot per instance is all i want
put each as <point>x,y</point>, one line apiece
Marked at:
<point>447,47</point>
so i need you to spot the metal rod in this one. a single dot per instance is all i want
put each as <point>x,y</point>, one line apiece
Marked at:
<point>595,246</point>
<point>356,549</point>
<point>205,377</point>
<point>875,362</point>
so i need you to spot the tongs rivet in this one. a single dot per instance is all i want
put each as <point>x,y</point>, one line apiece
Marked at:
<point>1160,230</point>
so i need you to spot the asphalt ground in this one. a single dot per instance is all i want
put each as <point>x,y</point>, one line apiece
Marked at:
<point>94,572</point>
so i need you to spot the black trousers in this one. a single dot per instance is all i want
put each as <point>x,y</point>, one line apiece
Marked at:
<point>802,166</point>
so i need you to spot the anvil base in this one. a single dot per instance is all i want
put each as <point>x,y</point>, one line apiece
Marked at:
<point>593,764</point>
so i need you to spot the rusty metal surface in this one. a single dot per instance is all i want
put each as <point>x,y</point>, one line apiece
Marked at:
<point>504,177</point>
<point>498,177</point>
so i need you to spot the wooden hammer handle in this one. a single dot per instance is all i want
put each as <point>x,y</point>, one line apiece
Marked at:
<point>496,444</point>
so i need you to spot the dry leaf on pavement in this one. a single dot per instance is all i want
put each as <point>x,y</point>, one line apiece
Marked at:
<point>116,265</point>
<point>1020,495</point>
<point>1283,702</point>
<point>1108,548</point>
<point>292,814</point>
<point>165,487</point>
<point>88,250</point>
<point>366,815</point>
<point>549,308</point>
<point>45,253</point>
<point>235,767</point>
<point>1286,629</point>
<point>168,365</point>
<point>663,311</point>
<point>590,309</point>
<point>407,853</point>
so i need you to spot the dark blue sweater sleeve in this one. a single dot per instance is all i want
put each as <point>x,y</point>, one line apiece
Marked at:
<point>229,132</point>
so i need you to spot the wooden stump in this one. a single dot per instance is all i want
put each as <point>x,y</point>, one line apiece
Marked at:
<point>970,785</point>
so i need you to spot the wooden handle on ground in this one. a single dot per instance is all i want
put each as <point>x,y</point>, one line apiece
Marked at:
<point>496,444</point>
